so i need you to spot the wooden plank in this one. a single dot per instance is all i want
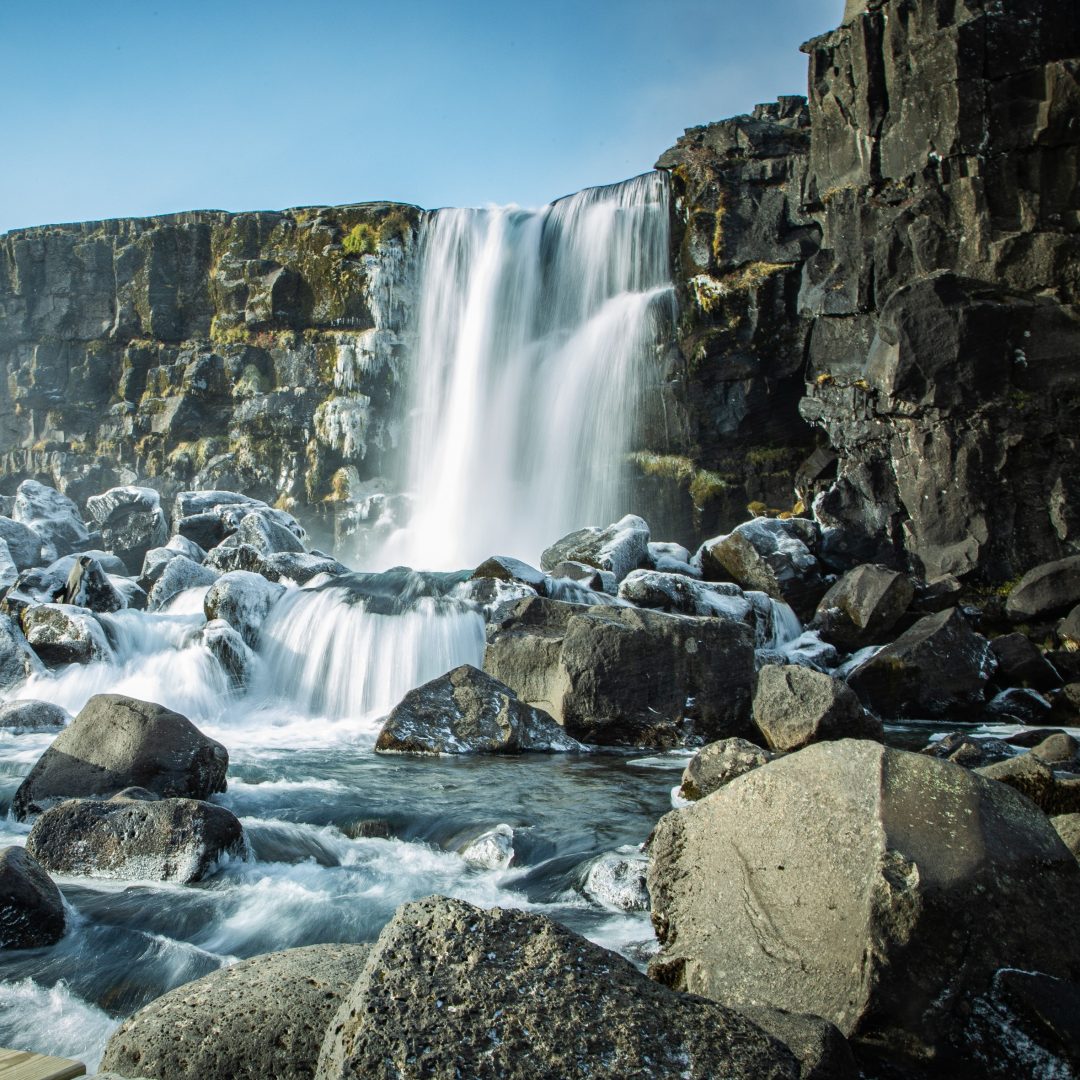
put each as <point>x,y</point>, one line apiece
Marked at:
<point>22,1065</point>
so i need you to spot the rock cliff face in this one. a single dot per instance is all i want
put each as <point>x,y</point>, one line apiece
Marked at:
<point>253,351</point>
<point>918,250</point>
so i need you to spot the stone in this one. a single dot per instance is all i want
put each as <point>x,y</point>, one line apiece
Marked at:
<point>460,991</point>
<point>1060,750</point>
<point>873,887</point>
<point>623,676</point>
<point>616,880</point>
<point>267,535</point>
<point>116,742</point>
<point>1020,663</point>
<point>1045,591</point>
<point>63,634</point>
<point>135,839</point>
<point>504,568</point>
<point>23,544</point>
<point>1014,706</point>
<point>491,850</point>
<point>795,706</point>
<point>718,764</point>
<point>131,522</point>
<point>54,517</point>
<point>671,558</point>
<point>823,1052</point>
<point>682,595</point>
<point>32,715</point>
<point>275,1009</point>
<point>1032,776</point>
<point>969,751</point>
<point>1068,630</point>
<point>88,586</point>
<point>466,711</point>
<point>1068,828</point>
<point>178,575</point>
<point>31,907</point>
<point>243,600</point>
<point>230,650</point>
<point>863,606</point>
<point>619,548</point>
<point>300,568</point>
<point>938,666</point>
<point>578,571</point>
<point>17,660</point>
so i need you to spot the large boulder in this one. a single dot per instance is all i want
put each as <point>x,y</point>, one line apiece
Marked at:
<point>619,548</point>
<point>32,715</point>
<point>795,706</point>
<point>230,650</point>
<point>118,742</point>
<point>939,665</point>
<point>23,544</point>
<point>31,907</point>
<point>1033,777</point>
<point>1020,663</point>
<point>466,712</point>
<point>718,764</point>
<point>178,574</point>
<point>863,606</point>
<point>88,586</point>
<point>54,517</point>
<point>623,676</point>
<point>135,836</point>
<point>262,1018</point>
<point>458,991</point>
<point>243,600</point>
<point>131,522</point>
<point>877,888</point>
<point>17,660</point>
<point>1045,591</point>
<point>64,634</point>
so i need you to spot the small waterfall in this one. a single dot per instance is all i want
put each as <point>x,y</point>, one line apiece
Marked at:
<point>537,337</point>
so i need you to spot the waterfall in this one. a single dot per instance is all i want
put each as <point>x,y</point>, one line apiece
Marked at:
<point>537,337</point>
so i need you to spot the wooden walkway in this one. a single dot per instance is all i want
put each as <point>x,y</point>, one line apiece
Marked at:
<point>22,1065</point>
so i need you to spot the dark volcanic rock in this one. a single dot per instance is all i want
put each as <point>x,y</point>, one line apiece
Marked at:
<point>879,889</point>
<point>619,548</point>
<point>178,574</point>
<point>143,839</point>
<point>31,907</point>
<point>1047,590</point>
<point>274,1008</point>
<point>131,522</point>
<point>17,660</point>
<point>116,742</point>
<point>63,634</point>
<point>718,764</point>
<point>504,994</point>
<point>243,600</point>
<point>54,517</point>
<point>24,545</point>
<point>88,586</point>
<point>1032,776</point>
<point>1020,663</point>
<point>863,606</point>
<point>32,715</point>
<point>468,712</point>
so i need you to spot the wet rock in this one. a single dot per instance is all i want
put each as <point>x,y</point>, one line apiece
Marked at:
<point>63,634</point>
<point>670,558</point>
<point>31,907</point>
<point>1020,663</point>
<point>718,764</point>
<point>231,555</point>
<point>1068,828</point>
<point>230,650</point>
<point>617,880</point>
<point>243,600</point>
<point>682,595</point>
<point>117,742</point>
<point>968,750</point>
<point>154,563</point>
<point>138,839</point>
<point>828,882</point>
<point>299,567</point>
<point>491,850</point>
<point>17,660</point>
<point>88,586</point>
<point>267,535</point>
<point>32,715</point>
<point>504,568</point>
<point>863,606</point>
<point>24,545</point>
<point>619,548</point>
<point>624,676</point>
<point>794,706</point>
<point>578,571</point>
<point>178,575</point>
<point>186,547</point>
<point>131,522</point>
<point>1045,591</point>
<point>1015,706</point>
<point>1059,750</point>
<point>486,994</point>
<point>131,593</point>
<point>939,665</point>
<point>822,1050</point>
<point>1031,776</point>
<point>9,574</point>
<point>1068,630</point>
<point>54,517</point>
<point>468,712</point>
<point>275,1009</point>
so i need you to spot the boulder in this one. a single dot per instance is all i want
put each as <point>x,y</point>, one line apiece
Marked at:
<point>1059,750</point>
<point>876,888</point>
<point>300,567</point>
<point>1068,630</point>
<point>116,742</point>
<point>1015,706</point>
<point>54,517</point>
<point>682,595</point>
<point>504,568</point>
<point>177,575</point>
<point>718,764</point>
<point>31,907</point>
<point>1020,663</point>
<point>131,522</point>
<point>671,558</point>
<point>63,634</point>
<point>9,573</point>
<point>619,548</point>
<point>230,650</point>
<point>467,712</point>
<point>624,676</point>
<point>822,1050</point>
<point>572,570</point>
<point>144,839</point>
<point>88,586</point>
<point>266,534</point>
<point>491,850</point>
<point>32,715</point>
<point>23,544</point>
<point>616,880</point>
<point>968,750</point>
<point>458,991</point>
<point>939,665</point>
<point>274,1008</point>
<point>17,660</point>
<point>770,555</point>
<point>795,706</point>
<point>863,606</point>
<point>1032,776</point>
<point>1068,828</point>
<point>243,600</point>
<point>154,563</point>
<point>1049,589</point>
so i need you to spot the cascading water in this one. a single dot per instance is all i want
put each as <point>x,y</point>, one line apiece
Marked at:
<point>536,342</point>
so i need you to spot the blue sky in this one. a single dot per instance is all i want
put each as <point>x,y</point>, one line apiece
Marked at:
<point>120,108</point>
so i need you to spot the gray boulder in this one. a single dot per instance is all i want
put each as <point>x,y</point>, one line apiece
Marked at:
<point>135,838</point>
<point>969,750</point>
<point>300,567</point>
<point>938,666</point>
<point>822,1050</point>
<point>88,586</point>
<point>31,907</point>
<point>260,1019</point>
<point>504,568</point>
<point>623,676</point>
<point>24,545</point>
<point>1068,828</point>
<point>795,706</point>
<point>230,650</point>
<point>32,715</point>
<point>267,535</point>
<point>117,742</point>
<point>1045,591</point>
<point>458,991</point>
<point>1020,663</point>
<point>17,660</point>
<point>616,880</point>
<point>178,574</point>
<point>9,573</point>
<point>877,888</point>
<point>863,606</point>
<point>54,517</point>
<point>131,522</point>
<point>619,548</point>
<point>718,764</point>
<point>1032,776</point>
<point>468,712</point>
<point>243,600</point>
<point>64,634</point>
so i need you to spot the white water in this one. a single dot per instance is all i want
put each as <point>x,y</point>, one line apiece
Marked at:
<point>537,337</point>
